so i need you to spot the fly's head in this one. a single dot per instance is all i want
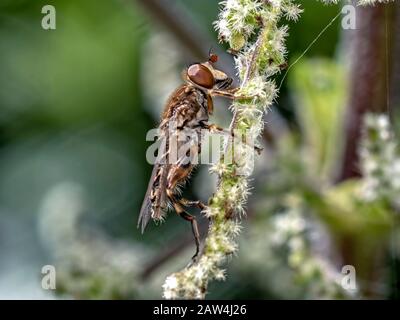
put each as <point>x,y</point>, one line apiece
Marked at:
<point>206,77</point>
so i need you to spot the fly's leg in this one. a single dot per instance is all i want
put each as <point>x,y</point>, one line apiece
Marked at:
<point>190,203</point>
<point>215,128</point>
<point>229,93</point>
<point>188,217</point>
<point>195,230</point>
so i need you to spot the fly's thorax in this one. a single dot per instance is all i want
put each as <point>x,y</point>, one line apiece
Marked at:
<point>202,114</point>
<point>188,112</point>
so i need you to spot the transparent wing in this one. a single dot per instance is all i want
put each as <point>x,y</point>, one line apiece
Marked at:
<point>155,198</point>
<point>145,211</point>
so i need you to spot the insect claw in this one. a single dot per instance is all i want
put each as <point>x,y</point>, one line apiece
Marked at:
<point>195,258</point>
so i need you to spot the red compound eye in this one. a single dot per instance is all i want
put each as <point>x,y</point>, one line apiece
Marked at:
<point>201,76</point>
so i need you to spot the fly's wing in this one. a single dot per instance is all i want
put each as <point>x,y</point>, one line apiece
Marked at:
<point>146,210</point>
<point>155,198</point>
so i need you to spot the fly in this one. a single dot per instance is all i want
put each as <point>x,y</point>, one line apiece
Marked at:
<point>188,108</point>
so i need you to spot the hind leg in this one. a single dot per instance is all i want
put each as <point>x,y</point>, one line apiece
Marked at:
<point>195,230</point>
<point>188,217</point>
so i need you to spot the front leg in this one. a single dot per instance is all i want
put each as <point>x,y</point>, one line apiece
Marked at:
<point>229,93</point>
<point>188,217</point>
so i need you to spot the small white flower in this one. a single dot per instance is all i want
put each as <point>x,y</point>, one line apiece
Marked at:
<point>199,273</point>
<point>380,161</point>
<point>171,283</point>
<point>382,121</point>
<point>219,274</point>
<point>293,11</point>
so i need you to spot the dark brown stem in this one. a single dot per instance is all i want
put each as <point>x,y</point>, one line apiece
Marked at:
<point>370,46</point>
<point>394,96</point>
<point>372,89</point>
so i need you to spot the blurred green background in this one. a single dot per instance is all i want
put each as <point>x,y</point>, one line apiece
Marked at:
<point>76,104</point>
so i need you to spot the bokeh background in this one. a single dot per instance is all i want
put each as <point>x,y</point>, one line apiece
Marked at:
<point>76,104</point>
